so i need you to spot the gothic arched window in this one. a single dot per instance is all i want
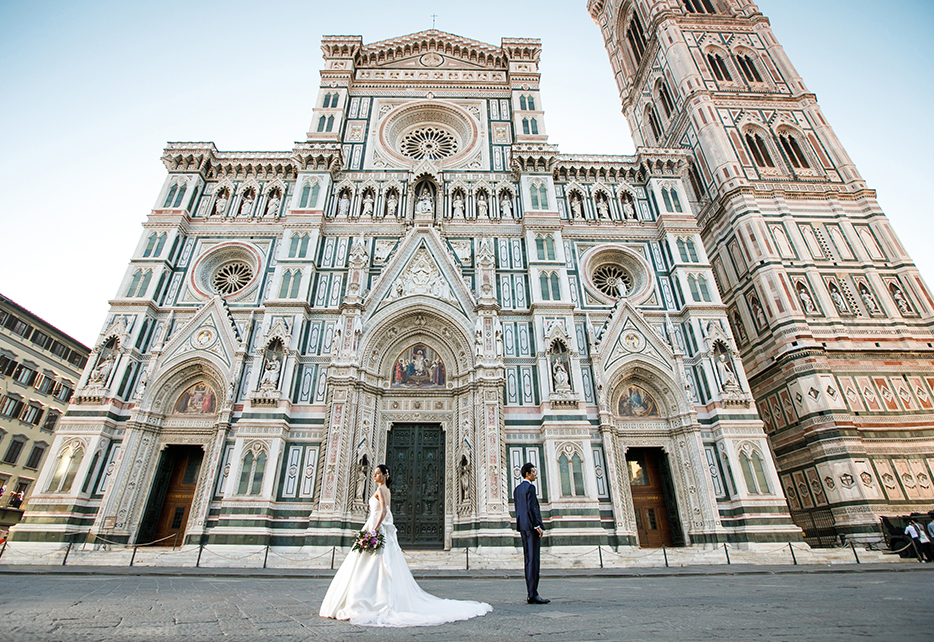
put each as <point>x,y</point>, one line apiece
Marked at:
<point>572,475</point>
<point>682,250</point>
<point>159,245</point>
<point>321,123</point>
<point>170,196</point>
<point>691,251</point>
<point>754,473</point>
<point>140,283</point>
<point>636,37</point>
<point>702,284</point>
<point>760,152</point>
<point>66,470</point>
<point>654,124</point>
<point>665,98</point>
<point>698,6</point>
<point>675,200</point>
<point>150,245</point>
<point>748,68</point>
<point>692,284</point>
<point>793,151</point>
<point>534,123</point>
<point>718,67</point>
<point>522,103</point>
<point>251,473</point>
<point>525,125</point>
<point>330,125</point>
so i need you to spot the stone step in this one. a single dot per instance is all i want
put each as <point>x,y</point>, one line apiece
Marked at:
<point>223,556</point>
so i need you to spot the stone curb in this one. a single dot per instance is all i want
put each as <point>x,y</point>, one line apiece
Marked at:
<point>697,571</point>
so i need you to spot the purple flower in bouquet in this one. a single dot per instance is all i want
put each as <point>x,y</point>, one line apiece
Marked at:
<point>368,541</point>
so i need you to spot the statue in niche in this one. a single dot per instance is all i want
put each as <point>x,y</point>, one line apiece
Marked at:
<point>247,205</point>
<point>368,204</point>
<point>738,327</point>
<point>362,474</point>
<point>424,206</point>
<point>603,210</point>
<point>458,206</point>
<point>482,206</point>
<point>903,306</point>
<point>561,379</point>
<point>761,321</point>
<point>725,368</point>
<point>343,206</point>
<point>498,336</point>
<point>868,299</point>
<point>806,301</point>
<point>478,336</point>
<point>838,299</point>
<point>143,382</point>
<point>392,205</point>
<point>220,205</point>
<point>505,207</point>
<point>629,212</point>
<point>102,370</point>
<point>464,475</point>
<point>577,211</point>
<point>272,208</point>
<point>270,379</point>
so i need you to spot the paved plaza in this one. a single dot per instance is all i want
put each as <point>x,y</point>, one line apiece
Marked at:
<point>774,603</point>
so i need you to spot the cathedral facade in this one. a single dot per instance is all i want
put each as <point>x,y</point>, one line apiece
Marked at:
<point>426,281</point>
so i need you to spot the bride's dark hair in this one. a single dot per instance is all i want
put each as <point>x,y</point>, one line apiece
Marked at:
<point>383,468</point>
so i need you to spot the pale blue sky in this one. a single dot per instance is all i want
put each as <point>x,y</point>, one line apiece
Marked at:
<point>90,92</point>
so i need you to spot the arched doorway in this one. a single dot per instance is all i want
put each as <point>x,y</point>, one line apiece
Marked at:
<point>172,493</point>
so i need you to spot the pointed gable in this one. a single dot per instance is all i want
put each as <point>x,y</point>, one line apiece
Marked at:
<point>628,335</point>
<point>422,265</point>
<point>211,332</point>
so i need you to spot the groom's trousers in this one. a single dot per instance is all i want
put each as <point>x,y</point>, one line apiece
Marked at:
<point>531,550</point>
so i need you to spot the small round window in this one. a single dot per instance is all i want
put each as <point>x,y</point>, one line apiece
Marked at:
<point>232,277</point>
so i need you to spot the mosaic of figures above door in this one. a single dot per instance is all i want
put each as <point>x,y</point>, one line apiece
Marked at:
<point>418,367</point>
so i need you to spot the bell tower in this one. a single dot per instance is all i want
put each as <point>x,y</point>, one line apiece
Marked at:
<point>832,316</point>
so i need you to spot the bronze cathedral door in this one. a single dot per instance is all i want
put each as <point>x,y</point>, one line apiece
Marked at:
<point>648,497</point>
<point>416,464</point>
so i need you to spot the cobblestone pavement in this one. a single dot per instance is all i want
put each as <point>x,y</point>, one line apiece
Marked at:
<point>777,604</point>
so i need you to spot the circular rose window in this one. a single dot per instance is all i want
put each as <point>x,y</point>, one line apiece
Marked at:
<point>229,269</point>
<point>428,142</point>
<point>612,280</point>
<point>429,130</point>
<point>232,277</point>
<point>613,272</point>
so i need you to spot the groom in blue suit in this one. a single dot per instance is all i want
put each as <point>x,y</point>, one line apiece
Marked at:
<point>529,524</point>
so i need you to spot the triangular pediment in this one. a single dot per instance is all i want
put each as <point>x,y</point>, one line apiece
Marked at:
<point>422,265</point>
<point>432,49</point>
<point>210,332</point>
<point>628,335</point>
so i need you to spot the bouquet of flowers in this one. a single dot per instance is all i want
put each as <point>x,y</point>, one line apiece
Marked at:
<point>368,541</point>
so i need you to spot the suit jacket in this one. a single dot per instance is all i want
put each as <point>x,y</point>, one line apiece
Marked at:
<point>528,516</point>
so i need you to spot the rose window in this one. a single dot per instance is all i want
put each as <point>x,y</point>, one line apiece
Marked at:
<point>232,277</point>
<point>612,280</point>
<point>428,142</point>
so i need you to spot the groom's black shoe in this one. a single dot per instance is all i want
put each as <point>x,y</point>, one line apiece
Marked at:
<point>538,600</point>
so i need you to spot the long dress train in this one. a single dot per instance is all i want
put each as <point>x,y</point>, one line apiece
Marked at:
<point>377,589</point>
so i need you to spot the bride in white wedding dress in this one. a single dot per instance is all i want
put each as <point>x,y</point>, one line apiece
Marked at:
<point>377,589</point>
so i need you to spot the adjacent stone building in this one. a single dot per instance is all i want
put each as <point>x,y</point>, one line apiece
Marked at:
<point>39,368</point>
<point>426,281</point>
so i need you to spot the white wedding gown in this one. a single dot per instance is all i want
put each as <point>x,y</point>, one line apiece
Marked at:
<point>377,589</point>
